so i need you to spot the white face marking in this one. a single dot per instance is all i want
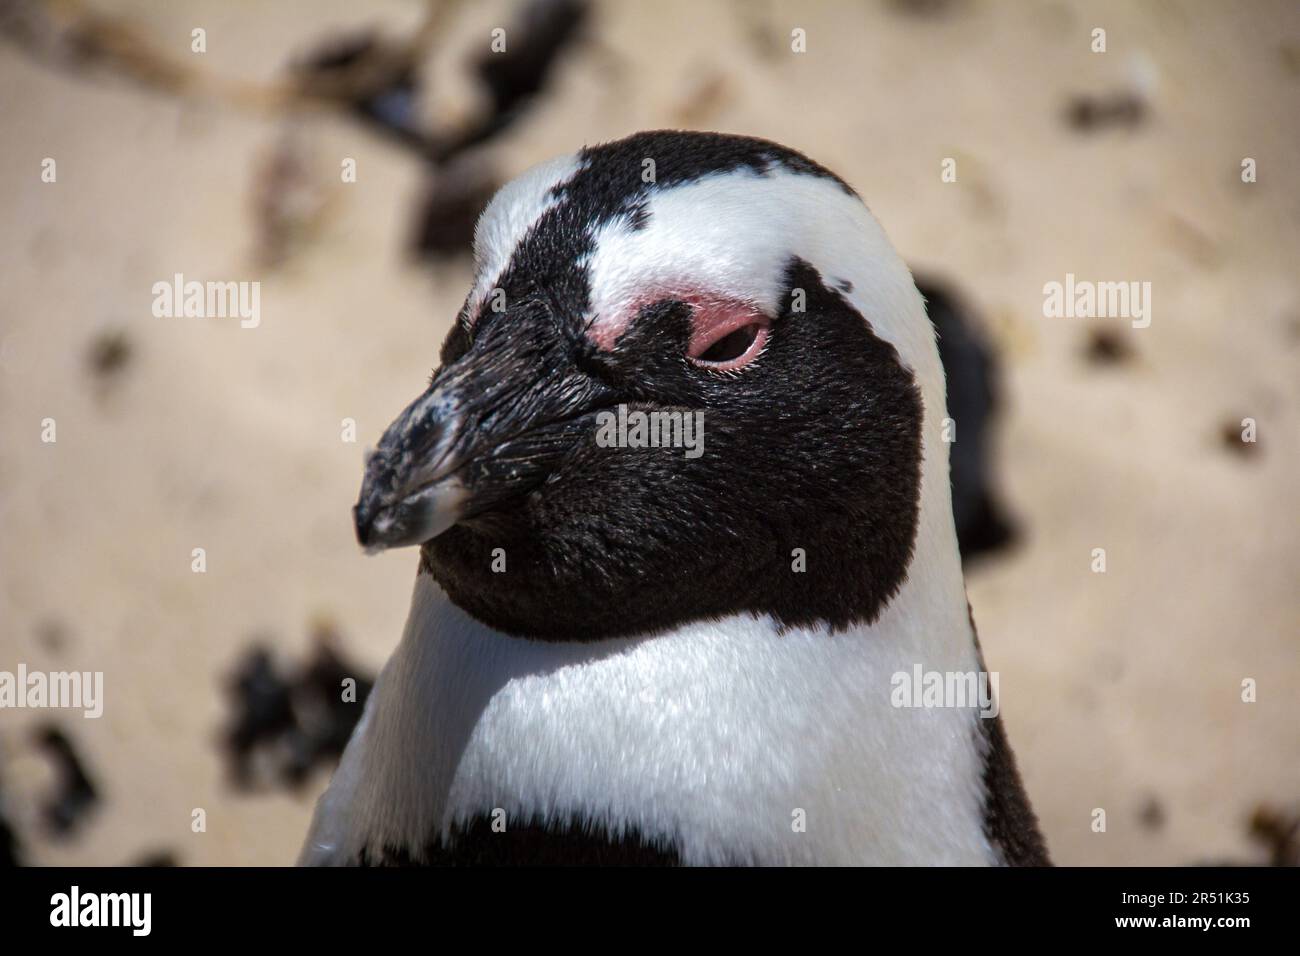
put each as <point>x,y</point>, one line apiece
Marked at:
<point>513,211</point>
<point>733,234</point>
<point>730,235</point>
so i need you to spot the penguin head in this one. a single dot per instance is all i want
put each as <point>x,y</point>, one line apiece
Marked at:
<point>691,380</point>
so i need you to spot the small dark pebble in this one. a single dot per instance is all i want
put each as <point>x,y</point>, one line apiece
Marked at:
<point>1106,346</point>
<point>1087,113</point>
<point>325,718</point>
<point>457,194</point>
<point>1230,434</point>
<point>378,82</point>
<point>10,847</point>
<point>1290,55</point>
<point>514,77</point>
<point>542,31</point>
<point>1151,814</point>
<point>75,793</point>
<point>157,858</point>
<point>263,711</point>
<point>923,8</point>
<point>52,636</point>
<point>110,353</point>
<point>1279,832</point>
<point>296,719</point>
<point>382,84</point>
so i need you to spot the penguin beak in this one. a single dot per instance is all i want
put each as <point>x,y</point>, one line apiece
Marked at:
<point>412,491</point>
<point>485,431</point>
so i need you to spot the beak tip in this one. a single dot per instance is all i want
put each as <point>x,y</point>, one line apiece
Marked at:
<point>364,525</point>
<point>415,519</point>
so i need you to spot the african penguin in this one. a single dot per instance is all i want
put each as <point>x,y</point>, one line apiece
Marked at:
<point>621,654</point>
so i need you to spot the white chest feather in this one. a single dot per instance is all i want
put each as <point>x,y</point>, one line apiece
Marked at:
<point>735,742</point>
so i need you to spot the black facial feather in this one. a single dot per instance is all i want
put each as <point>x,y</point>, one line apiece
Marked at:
<point>683,157</point>
<point>814,447</point>
<point>455,345</point>
<point>530,843</point>
<point>611,183</point>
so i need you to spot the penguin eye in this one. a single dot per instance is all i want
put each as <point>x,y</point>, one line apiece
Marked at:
<point>733,346</point>
<point>726,336</point>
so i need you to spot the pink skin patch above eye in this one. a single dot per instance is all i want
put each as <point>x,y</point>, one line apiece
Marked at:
<point>713,319</point>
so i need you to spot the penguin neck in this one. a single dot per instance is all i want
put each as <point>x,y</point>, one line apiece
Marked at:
<point>730,740</point>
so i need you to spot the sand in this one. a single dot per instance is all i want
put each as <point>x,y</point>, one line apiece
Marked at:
<point>1118,689</point>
